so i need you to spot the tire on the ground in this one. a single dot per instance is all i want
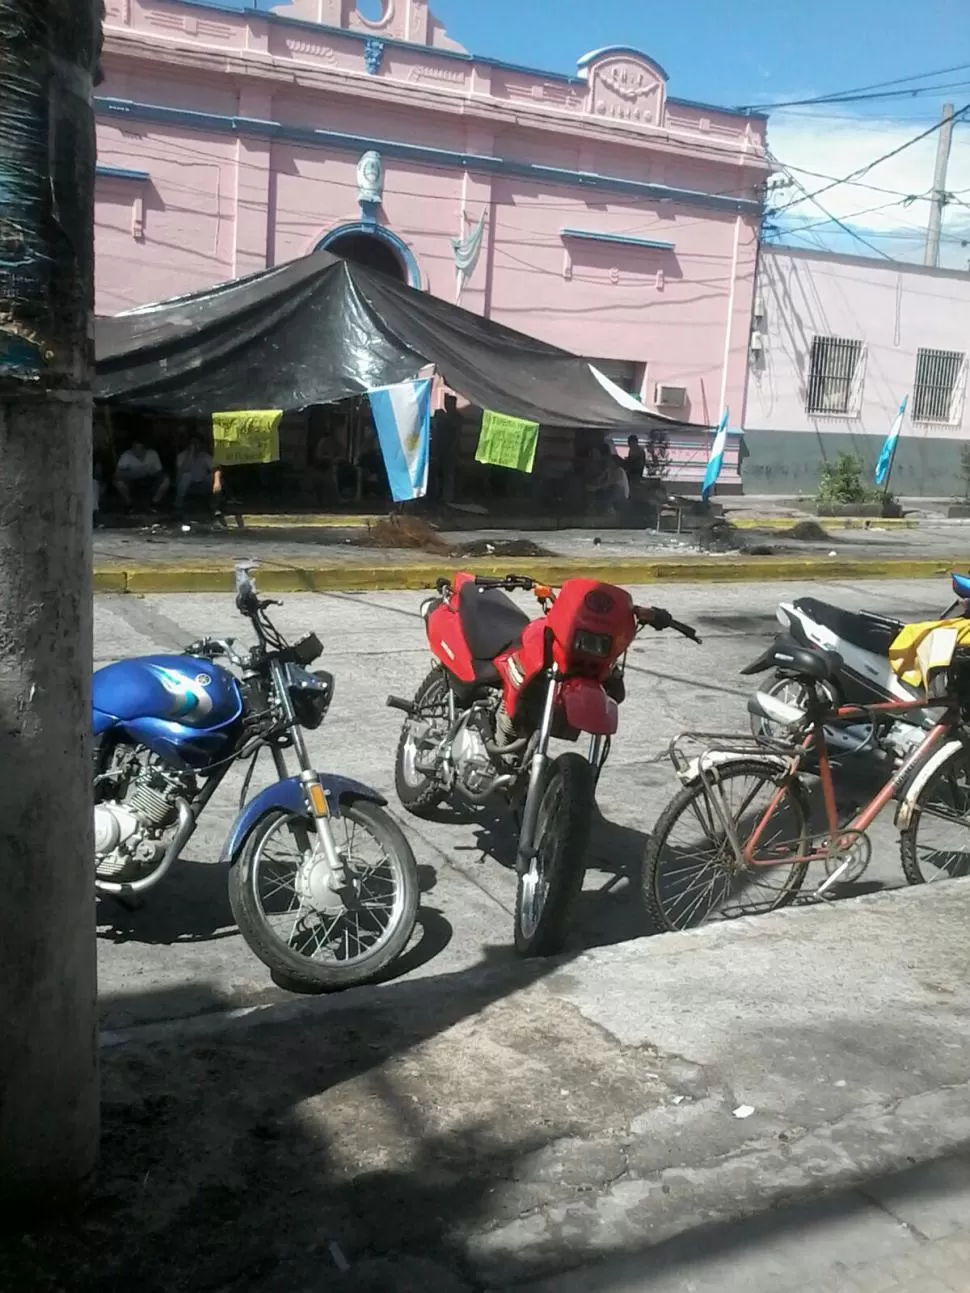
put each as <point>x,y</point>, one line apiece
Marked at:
<point>420,800</point>
<point>298,973</point>
<point>568,869</point>
<point>909,835</point>
<point>652,872</point>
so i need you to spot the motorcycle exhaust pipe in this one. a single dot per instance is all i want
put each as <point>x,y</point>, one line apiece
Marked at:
<point>128,888</point>
<point>479,797</point>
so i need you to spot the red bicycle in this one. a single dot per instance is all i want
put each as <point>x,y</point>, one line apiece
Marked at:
<point>736,839</point>
<point>502,687</point>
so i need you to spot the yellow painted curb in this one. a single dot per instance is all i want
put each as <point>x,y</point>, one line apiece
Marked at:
<point>826,522</point>
<point>110,580</point>
<point>277,577</point>
<point>316,521</point>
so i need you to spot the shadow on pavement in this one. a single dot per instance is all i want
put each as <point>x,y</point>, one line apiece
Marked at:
<point>276,1158</point>
<point>873,1237</point>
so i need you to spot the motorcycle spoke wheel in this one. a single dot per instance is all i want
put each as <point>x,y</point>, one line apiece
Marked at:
<point>936,843</point>
<point>691,873</point>
<point>314,939</point>
<point>420,791</point>
<point>547,892</point>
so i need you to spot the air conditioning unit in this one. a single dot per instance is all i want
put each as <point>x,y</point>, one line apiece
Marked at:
<point>670,397</point>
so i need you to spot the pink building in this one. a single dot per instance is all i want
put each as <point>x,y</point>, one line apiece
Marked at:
<point>837,342</point>
<point>594,211</point>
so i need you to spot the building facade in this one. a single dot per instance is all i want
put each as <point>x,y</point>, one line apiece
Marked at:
<point>594,210</point>
<point>837,343</point>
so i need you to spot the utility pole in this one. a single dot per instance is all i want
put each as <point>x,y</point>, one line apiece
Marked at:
<point>49,51</point>
<point>938,200</point>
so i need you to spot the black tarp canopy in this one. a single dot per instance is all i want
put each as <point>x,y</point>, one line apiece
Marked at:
<point>320,329</point>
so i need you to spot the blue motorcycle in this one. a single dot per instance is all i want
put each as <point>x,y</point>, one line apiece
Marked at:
<point>322,883</point>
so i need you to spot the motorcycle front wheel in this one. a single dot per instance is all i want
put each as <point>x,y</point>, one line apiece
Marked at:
<point>309,949</point>
<point>547,893</point>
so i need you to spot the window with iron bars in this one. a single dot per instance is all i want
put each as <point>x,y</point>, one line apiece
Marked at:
<point>938,385</point>
<point>834,368</point>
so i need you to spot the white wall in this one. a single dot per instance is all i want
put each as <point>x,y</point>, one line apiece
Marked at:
<point>893,309</point>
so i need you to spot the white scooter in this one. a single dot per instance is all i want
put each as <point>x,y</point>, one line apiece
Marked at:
<point>862,640</point>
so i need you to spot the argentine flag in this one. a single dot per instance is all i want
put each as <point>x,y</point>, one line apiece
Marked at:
<point>889,448</point>
<point>716,459</point>
<point>402,418</point>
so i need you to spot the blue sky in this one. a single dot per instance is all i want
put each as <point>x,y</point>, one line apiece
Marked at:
<point>735,52</point>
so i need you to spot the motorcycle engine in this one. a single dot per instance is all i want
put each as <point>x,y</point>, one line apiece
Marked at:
<point>129,829</point>
<point>902,739</point>
<point>472,764</point>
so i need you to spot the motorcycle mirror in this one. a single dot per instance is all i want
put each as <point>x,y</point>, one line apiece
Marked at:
<point>245,586</point>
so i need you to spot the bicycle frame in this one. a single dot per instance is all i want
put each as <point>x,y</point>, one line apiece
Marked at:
<point>815,741</point>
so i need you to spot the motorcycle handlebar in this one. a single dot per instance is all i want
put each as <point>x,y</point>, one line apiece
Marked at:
<point>659,619</point>
<point>508,582</point>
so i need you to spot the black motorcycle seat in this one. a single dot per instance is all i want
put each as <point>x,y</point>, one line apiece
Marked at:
<point>786,656</point>
<point>864,629</point>
<point>490,621</point>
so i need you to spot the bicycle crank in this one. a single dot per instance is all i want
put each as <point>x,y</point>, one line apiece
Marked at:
<point>847,857</point>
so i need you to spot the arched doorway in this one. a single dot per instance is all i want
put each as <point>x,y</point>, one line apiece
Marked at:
<point>374,247</point>
<point>373,253</point>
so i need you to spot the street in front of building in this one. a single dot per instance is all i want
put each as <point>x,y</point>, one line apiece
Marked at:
<point>179,954</point>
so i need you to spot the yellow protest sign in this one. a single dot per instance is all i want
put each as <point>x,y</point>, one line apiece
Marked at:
<point>249,436</point>
<point>507,442</point>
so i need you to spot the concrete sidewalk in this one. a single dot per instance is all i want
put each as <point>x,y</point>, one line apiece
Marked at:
<point>498,1124</point>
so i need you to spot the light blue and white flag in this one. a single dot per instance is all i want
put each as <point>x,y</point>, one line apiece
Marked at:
<point>716,460</point>
<point>889,448</point>
<point>402,417</point>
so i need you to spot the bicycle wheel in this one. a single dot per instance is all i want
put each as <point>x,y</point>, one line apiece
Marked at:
<point>935,845</point>
<point>690,871</point>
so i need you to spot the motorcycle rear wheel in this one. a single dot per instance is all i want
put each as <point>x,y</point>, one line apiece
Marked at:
<point>301,970</point>
<point>546,895</point>
<point>421,792</point>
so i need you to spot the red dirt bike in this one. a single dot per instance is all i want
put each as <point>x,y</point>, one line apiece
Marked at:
<point>501,688</point>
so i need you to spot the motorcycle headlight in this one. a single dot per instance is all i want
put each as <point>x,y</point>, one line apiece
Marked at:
<point>595,644</point>
<point>311,694</point>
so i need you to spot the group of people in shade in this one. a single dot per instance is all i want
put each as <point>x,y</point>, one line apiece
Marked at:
<point>142,484</point>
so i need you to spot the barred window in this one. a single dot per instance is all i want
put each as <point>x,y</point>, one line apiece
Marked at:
<point>938,385</point>
<point>835,368</point>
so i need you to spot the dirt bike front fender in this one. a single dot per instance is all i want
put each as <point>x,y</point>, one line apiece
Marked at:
<point>289,796</point>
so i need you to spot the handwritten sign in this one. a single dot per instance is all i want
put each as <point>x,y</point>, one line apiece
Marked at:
<point>245,437</point>
<point>507,442</point>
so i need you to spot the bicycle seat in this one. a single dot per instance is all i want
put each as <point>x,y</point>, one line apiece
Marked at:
<point>786,656</point>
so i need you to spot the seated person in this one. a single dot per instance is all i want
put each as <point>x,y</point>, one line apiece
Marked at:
<point>610,486</point>
<point>323,469</point>
<point>193,472</point>
<point>370,465</point>
<point>139,476</point>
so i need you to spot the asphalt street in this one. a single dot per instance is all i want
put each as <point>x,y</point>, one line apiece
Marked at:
<point>180,955</point>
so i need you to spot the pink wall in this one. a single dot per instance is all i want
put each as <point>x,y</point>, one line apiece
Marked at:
<point>892,309</point>
<point>206,198</point>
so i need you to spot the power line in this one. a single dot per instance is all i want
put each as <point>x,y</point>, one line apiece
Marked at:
<point>864,170</point>
<point>838,96</point>
<point>811,197</point>
<point>885,206</point>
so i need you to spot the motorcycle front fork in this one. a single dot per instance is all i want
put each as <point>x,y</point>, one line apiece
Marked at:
<point>316,799</point>
<point>540,759</point>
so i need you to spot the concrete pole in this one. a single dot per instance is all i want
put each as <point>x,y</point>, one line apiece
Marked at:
<point>938,200</point>
<point>48,1023</point>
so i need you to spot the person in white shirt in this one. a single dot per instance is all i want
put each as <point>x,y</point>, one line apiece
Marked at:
<point>139,476</point>
<point>193,472</point>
